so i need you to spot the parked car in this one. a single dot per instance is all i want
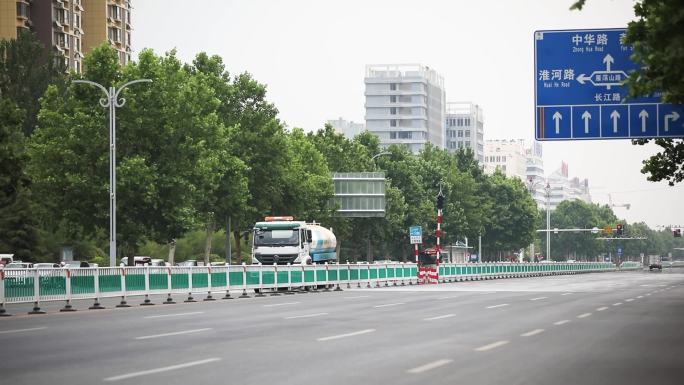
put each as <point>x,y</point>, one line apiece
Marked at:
<point>19,265</point>
<point>73,264</point>
<point>189,262</point>
<point>44,265</point>
<point>138,260</point>
<point>158,262</point>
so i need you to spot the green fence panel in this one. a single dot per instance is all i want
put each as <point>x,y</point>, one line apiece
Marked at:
<point>282,278</point>
<point>219,279</point>
<point>309,276</point>
<point>252,277</point>
<point>344,273</point>
<point>363,274</point>
<point>180,281</point>
<point>354,273</point>
<point>268,277</point>
<point>159,281</point>
<point>86,284</point>
<point>296,276</point>
<point>18,287</point>
<point>236,279</point>
<point>333,273</point>
<point>52,285</point>
<point>320,275</point>
<point>108,284</point>
<point>135,282</point>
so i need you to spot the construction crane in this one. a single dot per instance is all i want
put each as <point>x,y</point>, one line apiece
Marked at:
<point>611,204</point>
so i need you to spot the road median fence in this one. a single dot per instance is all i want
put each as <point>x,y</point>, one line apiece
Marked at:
<point>68,284</point>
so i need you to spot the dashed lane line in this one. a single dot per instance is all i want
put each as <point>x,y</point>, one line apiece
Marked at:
<point>160,370</point>
<point>538,298</point>
<point>173,315</point>
<point>281,304</point>
<point>352,334</point>
<point>617,304</point>
<point>562,322</point>
<point>495,306</point>
<point>640,296</point>
<point>172,334</point>
<point>430,366</point>
<point>389,304</point>
<point>567,293</point>
<point>439,317</point>
<point>532,333</point>
<point>491,346</point>
<point>22,330</point>
<point>306,316</point>
<point>602,308</point>
<point>629,300</point>
<point>584,315</point>
<point>357,297</point>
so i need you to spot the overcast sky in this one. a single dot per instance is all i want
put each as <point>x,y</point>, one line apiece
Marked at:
<point>312,55</point>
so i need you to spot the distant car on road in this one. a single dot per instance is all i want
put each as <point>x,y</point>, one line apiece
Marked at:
<point>19,265</point>
<point>44,265</point>
<point>158,262</point>
<point>189,262</point>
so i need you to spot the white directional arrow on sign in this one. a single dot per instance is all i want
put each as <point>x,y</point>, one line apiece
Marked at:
<point>608,60</point>
<point>643,115</point>
<point>615,116</point>
<point>557,117</point>
<point>586,116</point>
<point>582,78</point>
<point>668,118</point>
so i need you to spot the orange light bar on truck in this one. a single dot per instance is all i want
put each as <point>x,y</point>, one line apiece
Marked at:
<point>271,219</point>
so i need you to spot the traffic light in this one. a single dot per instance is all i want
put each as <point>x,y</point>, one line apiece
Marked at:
<point>440,201</point>
<point>677,232</point>
<point>618,229</point>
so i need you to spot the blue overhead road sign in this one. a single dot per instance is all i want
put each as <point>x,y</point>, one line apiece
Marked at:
<point>579,91</point>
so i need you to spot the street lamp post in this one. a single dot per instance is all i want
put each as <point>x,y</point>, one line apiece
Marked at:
<point>112,101</point>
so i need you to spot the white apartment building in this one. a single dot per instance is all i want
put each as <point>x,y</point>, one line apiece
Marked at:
<point>347,127</point>
<point>464,128</point>
<point>405,105</point>
<point>564,188</point>
<point>506,155</point>
<point>536,181</point>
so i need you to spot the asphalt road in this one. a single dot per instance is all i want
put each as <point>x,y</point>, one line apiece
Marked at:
<point>610,328</point>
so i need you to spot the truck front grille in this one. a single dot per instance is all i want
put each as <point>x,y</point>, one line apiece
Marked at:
<point>276,259</point>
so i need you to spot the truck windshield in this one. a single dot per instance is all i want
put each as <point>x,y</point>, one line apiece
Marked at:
<point>276,237</point>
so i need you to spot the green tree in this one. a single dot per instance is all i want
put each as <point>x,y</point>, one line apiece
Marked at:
<point>18,232</point>
<point>26,69</point>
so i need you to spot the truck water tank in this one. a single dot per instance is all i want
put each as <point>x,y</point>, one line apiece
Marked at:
<point>323,244</point>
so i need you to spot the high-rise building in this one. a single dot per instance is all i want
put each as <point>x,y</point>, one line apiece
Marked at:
<point>464,128</point>
<point>405,105</point>
<point>347,128</point>
<point>565,188</point>
<point>108,21</point>
<point>507,156</point>
<point>536,181</point>
<point>71,28</point>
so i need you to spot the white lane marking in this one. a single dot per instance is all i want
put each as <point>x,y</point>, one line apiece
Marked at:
<point>430,366</point>
<point>172,334</point>
<point>647,294</point>
<point>584,315</point>
<point>532,333</point>
<point>389,304</point>
<point>495,306</point>
<point>602,308</point>
<point>640,296</point>
<point>173,315</point>
<point>352,334</point>
<point>629,300</point>
<point>358,296</point>
<point>450,297</point>
<point>439,317</point>
<point>617,304</point>
<point>538,298</point>
<point>22,330</point>
<point>567,294</point>
<point>561,322</point>
<point>491,346</point>
<point>306,316</point>
<point>160,370</point>
<point>281,304</point>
